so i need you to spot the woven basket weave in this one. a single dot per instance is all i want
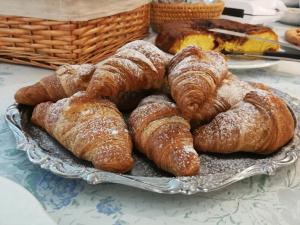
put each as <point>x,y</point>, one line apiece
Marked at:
<point>162,13</point>
<point>49,43</point>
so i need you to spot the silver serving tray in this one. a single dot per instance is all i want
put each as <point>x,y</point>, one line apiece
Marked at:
<point>217,171</point>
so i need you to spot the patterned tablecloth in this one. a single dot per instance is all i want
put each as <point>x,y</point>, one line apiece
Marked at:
<point>257,200</point>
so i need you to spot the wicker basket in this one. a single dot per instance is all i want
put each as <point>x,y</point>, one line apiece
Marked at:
<point>162,13</point>
<point>50,43</point>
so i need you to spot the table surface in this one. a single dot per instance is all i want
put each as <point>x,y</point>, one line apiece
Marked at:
<point>256,200</point>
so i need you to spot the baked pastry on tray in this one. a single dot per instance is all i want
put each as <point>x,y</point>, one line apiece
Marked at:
<point>230,92</point>
<point>237,116</point>
<point>64,82</point>
<point>136,66</point>
<point>164,136</point>
<point>194,76</point>
<point>125,78</point>
<point>176,36</point>
<point>261,123</point>
<point>92,129</point>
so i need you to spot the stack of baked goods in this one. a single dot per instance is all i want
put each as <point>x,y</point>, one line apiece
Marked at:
<point>173,37</point>
<point>82,106</point>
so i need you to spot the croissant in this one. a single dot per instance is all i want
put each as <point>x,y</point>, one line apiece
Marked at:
<point>194,76</point>
<point>159,58</point>
<point>230,92</point>
<point>261,123</point>
<point>67,80</point>
<point>164,136</point>
<point>138,65</point>
<point>92,129</point>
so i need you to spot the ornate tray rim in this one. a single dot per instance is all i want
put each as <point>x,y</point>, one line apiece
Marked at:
<point>166,185</point>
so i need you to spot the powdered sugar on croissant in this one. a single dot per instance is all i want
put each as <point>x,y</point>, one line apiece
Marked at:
<point>230,92</point>
<point>92,129</point>
<point>136,66</point>
<point>194,76</point>
<point>164,136</point>
<point>67,80</point>
<point>261,123</point>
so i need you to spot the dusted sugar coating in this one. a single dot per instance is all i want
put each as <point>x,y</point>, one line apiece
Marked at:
<point>66,81</point>
<point>91,129</point>
<point>261,123</point>
<point>157,57</point>
<point>176,36</point>
<point>136,66</point>
<point>194,76</point>
<point>230,92</point>
<point>164,136</point>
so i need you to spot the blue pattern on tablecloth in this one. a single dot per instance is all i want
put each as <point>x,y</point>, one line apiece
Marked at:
<point>53,191</point>
<point>108,206</point>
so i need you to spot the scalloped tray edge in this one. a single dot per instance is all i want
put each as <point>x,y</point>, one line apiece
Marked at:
<point>166,185</point>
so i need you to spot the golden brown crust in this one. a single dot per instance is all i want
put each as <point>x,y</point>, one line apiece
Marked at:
<point>194,76</point>
<point>53,87</point>
<point>230,92</point>
<point>261,123</point>
<point>66,81</point>
<point>173,32</point>
<point>163,136</point>
<point>39,115</point>
<point>158,58</point>
<point>293,36</point>
<point>229,25</point>
<point>32,95</point>
<point>136,66</point>
<point>92,129</point>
